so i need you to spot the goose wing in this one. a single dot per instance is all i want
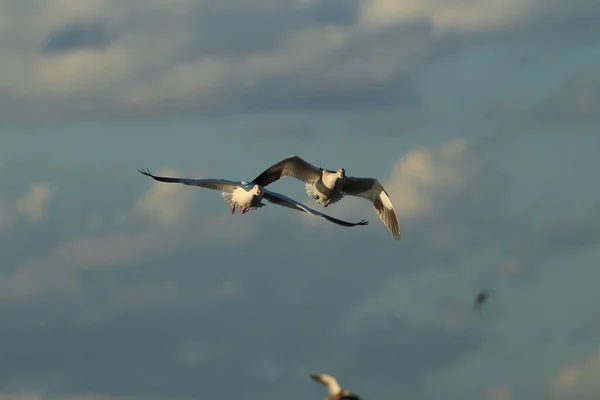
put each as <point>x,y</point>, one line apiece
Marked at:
<point>371,189</point>
<point>329,382</point>
<point>294,167</point>
<point>215,184</point>
<point>279,199</point>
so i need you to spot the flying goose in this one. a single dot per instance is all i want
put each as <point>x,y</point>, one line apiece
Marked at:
<point>245,196</point>
<point>328,187</point>
<point>336,392</point>
<point>481,298</point>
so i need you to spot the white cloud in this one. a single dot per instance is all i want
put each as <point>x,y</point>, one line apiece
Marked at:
<point>32,205</point>
<point>419,175</point>
<point>165,203</point>
<point>155,58</point>
<point>83,71</point>
<point>422,175</point>
<point>420,178</point>
<point>35,203</point>
<point>579,381</point>
<point>205,79</point>
<point>446,14</point>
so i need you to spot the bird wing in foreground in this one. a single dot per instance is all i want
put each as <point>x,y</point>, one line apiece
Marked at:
<point>371,189</point>
<point>329,381</point>
<point>294,167</point>
<point>215,184</point>
<point>279,199</point>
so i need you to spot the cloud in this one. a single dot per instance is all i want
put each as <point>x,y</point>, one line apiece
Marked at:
<point>165,203</point>
<point>417,177</point>
<point>461,15</point>
<point>35,203</point>
<point>78,35</point>
<point>160,220</point>
<point>579,381</point>
<point>424,183</point>
<point>72,60</point>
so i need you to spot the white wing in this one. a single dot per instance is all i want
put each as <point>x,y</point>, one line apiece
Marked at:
<point>371,189</point>
<point>329,381</point>
<point>215,184</point>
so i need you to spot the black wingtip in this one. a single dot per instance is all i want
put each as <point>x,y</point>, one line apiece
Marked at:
<point>146,172</point>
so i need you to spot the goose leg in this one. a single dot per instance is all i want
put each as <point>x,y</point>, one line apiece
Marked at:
<point>232,209</point>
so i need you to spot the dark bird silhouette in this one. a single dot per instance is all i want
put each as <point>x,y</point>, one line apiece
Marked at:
<point>481,298</point>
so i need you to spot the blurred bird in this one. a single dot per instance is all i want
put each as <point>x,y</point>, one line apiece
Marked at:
<point>481,298</point>
<point>333,387</point>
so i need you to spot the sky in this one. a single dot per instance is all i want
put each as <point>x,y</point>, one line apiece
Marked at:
<point>479,117</point>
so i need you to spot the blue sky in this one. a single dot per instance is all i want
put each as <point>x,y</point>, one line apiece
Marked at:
<point>479,117</point>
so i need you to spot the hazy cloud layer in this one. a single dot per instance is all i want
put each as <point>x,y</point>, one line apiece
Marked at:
<point>71,60</point>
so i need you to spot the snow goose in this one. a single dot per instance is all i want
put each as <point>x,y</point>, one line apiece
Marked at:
<point>245,196</point>
<point>328,187</point>
<point>332,385</point>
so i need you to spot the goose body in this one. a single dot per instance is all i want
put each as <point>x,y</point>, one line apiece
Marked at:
<point>328,187</point>
<point>245,196</point>
<point>333,387</point>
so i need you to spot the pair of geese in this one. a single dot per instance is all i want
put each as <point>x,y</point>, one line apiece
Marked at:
<point>325,186</point>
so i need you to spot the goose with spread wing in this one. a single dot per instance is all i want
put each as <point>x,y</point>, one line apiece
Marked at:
<point>245,196</point>
<point>333,387</point>
<point>328,187</point>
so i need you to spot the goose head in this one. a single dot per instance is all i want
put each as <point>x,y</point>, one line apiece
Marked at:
<point>257,190</point>
<point>341,173</point>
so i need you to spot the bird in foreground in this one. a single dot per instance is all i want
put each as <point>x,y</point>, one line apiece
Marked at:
<point>480,298</point>
<point>246,197</point>
<point>332,385</point>
<point>328,187</point>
